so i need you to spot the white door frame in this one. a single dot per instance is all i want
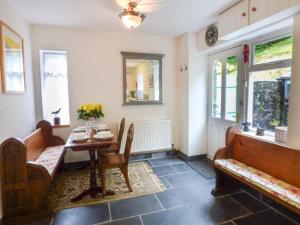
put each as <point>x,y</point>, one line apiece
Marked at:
<point>217,126</point>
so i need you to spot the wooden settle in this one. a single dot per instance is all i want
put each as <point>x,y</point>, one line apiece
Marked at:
<point>276,160</point>
<point>24,182</point>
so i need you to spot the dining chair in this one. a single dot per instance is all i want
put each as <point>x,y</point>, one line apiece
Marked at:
<point>109,161</point>
<point>114,148</point>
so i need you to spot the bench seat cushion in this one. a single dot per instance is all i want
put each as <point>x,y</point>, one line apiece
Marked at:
<point>50,158</point>
<point>280,189</point>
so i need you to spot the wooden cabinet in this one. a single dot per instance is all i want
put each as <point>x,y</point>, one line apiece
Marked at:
<point>261,9</point>
<point>295,2</point>
<point>250,15</point>
<point>234,19</point>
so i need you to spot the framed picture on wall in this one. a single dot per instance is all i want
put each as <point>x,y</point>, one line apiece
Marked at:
<point>11,61</point>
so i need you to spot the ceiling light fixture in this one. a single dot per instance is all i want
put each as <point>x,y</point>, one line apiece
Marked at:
<point>131,17</point>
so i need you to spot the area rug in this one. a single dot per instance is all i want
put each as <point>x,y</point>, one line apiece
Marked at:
<point>70,183</point>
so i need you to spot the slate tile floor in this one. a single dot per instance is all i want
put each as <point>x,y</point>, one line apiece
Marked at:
<point>187,201</point>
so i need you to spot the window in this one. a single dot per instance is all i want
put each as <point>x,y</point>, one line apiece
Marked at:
<point>140,86</point>
<point>217,89</point>
<point>269,83</point>
<point>231,88</point>
<point>273,51</point>
<point>54,84</point>
<point>155,79</point>
<point>14,69</point>
<point>224,86</point>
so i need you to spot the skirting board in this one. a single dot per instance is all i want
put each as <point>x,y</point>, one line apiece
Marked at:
<point>133,157</point>
<point>190,158</point>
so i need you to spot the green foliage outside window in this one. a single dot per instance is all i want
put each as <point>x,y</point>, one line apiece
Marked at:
<point>272,51</point>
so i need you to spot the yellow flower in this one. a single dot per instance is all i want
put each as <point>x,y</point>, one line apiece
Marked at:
<point>91,107</point>
<point>98,107</point>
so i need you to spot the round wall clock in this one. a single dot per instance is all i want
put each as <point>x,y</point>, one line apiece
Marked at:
<point>211,36</point>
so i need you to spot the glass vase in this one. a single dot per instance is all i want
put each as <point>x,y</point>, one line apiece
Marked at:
<point>90,125</point>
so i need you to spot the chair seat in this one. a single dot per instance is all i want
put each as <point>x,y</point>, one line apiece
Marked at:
<point>113,159</point>
<point>272,185</point>
<point>111,149</point>
<point>50,158</point>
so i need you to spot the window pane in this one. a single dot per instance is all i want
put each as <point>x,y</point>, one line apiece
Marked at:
<point>217,89</point>
<point>268,98</point>
<point>273,51</point>
<point>55,86</point>
<point>231,88</point>
<point>14,69</point>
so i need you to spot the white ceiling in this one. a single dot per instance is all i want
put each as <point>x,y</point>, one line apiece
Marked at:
<point>163,17</point>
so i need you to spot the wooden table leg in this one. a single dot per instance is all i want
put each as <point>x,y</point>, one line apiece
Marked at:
<point>93,178</point>
<point>94,189</point>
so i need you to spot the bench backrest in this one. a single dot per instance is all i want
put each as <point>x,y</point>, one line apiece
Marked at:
<point>276,160</point>
<point>35,144</point>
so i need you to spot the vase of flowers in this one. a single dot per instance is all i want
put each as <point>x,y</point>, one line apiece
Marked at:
<point>90,113</point>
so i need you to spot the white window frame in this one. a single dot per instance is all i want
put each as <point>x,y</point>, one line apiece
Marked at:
<point>223,56</point>
<point>265,66</point>
<point>42,60</point>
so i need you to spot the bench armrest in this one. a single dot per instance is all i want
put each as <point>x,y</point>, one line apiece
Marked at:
<point>222,153</point>
<point>39,182</point>
<point>38,172</point>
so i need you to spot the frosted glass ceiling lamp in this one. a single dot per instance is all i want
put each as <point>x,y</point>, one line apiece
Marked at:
<point>131,17</point>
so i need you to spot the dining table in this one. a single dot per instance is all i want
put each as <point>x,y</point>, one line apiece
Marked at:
<point>91,146</point>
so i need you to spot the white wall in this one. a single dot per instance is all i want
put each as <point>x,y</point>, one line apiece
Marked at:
<point>182,53</point>
<point>294,110</point>
<point>198,95</point>
<point>193,96</point>
<point>17,114</point>
<point>95,73</point>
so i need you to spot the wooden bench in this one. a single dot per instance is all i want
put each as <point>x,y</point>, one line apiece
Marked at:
<point>27,168</point>
<point>270,168</point>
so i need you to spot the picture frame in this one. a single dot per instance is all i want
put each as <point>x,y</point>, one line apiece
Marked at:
<point>132,95</point>
<point>12,67</point>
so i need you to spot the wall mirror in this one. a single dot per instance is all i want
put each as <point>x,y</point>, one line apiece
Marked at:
<point>142,75</point>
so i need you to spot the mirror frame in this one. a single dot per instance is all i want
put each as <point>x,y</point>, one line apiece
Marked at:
<point>144,56</point>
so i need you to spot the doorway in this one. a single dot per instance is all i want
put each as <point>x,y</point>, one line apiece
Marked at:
<point>226,95</point>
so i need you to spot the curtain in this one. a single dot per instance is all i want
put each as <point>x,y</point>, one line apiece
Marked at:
<point>55,86</point>
<point>55,64</point>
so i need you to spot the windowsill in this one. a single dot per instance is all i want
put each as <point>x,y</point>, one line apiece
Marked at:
<point>269,137</point>
<point>61,126</point>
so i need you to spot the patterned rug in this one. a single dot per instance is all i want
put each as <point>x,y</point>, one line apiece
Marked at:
<point>70,183</point>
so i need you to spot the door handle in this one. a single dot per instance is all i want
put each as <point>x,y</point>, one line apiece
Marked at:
<point>237,118</point>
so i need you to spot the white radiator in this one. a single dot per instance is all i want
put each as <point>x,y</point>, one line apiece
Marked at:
<point>150,135</point>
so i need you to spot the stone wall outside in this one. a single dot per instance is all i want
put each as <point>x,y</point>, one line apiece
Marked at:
<point>264,103</point>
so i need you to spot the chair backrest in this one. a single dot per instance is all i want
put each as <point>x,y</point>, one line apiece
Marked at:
<point>121,132</point>
<point>129,140</point>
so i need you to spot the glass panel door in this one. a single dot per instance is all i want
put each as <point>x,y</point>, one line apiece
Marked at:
<point>231,88</point>
<point>217,88</point>
<point>225,95</point>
